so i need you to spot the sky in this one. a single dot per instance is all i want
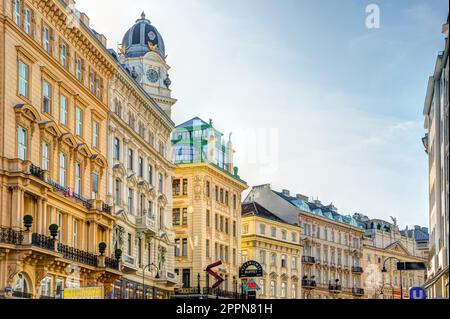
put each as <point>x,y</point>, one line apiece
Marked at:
<point>318,103</point>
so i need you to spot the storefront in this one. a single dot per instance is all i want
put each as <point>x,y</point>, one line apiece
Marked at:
<point>126,289</point>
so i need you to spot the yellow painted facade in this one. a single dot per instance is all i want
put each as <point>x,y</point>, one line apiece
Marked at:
<point>276,245</point>
<point>206,221</point>
<point>53,150</point>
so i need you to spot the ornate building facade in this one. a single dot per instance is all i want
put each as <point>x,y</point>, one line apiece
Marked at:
<point>53,151</point>
<point>276,245</point>
<point>206,206</point>
<point>140,173</point>
<point>436,142</point>
<point>332,243</point>
<point>383,246</point>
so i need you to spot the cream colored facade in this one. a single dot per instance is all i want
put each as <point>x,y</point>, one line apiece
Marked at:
<point>276,245</point>
<point>53,151</point>
<point>140,190</point>
<point>436,142</point>
<point>332,243</point>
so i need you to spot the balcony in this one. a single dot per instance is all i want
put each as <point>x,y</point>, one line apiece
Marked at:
<point>37,172</point>
<point>309,283</point>
<point>9,236</point>
<point>335,288</point>
<point>112,263</point>
<point>357,270</point>
<point>187,291</point>
<point>43,242</point>
<point>219,293</point>
<point>168,277</point>
<point>358,291</point>
<point>308,260</point>
<point>146,223</point>
<point>77,255</point>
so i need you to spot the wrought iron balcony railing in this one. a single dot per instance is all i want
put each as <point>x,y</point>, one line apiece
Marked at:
<point>357,269</point>
<point>42,241</point>
<point>10,236</point>
<point>358,291</point>
<point>335,287</point>
<point>77,255</point>
<point>37,172</point>
<point>111,263</point>
<point>308,260</point>
<point>309,283</point>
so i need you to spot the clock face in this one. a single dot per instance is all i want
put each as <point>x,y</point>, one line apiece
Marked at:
<point>152,75</point>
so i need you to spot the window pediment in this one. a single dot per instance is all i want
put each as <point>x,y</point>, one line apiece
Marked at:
<point>51,128</point>
<point>68,139</point>
<point>28,112</point>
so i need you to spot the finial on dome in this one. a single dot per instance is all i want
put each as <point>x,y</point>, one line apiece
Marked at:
<point>143,15</point>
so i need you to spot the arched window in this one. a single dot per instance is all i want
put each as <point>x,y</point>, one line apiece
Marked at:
<point>21,287</point>
<point>17,16</point>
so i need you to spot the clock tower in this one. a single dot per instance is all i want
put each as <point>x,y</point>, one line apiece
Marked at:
<point>142,53</point>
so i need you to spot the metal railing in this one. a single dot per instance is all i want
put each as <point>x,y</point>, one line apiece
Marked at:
<point>221,293</point>
<point>335,287</point>
<point>23,295</point>
<point>111,263</point>
<point>308,259</point>
<point>357,269</point>
<point>77,255</point>
<point>42,241</point>
<point>358,291</point>
<point>37,172</point>
<point>10,236</point>
<point>308,283</point>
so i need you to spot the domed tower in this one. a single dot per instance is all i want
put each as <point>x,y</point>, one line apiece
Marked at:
<point>143,52</point>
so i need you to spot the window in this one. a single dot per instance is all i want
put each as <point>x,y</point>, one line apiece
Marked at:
<point>78,121</point>
<point>283,261</point>
<point>98,87</point>
<point>46,39</point>
<point>272,289</point>
<point>75,234</point>
<point>150,175</point>
<point>116,149</point>
<point>141,167</point>
<point>208,189</point>
<point>262,257</point>
<point>283,234</point>
<point>78,67</point>
<point>207,248</point>
<point>234,201</point>
<point>226,198</point>
<point>46,287</point>
<point>176,187</point>
<point>129,244</point>
<point>63,110</point>
<point>185,216</point>
<point>17,15</point>
<point>262,229</point>
<point>294,237</point>
<point>130,201</point>
<point>294,263</point>
<point>176,217</point>
<point>273,232</point>
<point>130,159</point>
<point>95,133</point>
<point>283,290</point>
<point>78,178</point>
<point>23,79</point>
<point>177,247</point>
<point>27,21</point>
<point>184,248</point>
<point>208,218</point>
<point>63,55</point>
<point>273,259</point>
<point>226,226</point>
<point>62,169</point>
<point>21,143</point>
<point>91,82</point>
<point>217,193</point>
<point>294,291</point>
<point>261,286</point>
<point>117,192</point>
<point>45,156</point>
<point>234,229</point>
<point>46,97</point>
<point>160,182</point>
<point>94,186</point>
<point>216,224</point>
<point>185,187</point>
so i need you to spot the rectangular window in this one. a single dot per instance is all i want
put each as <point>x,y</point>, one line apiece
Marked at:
<point>208,218</point>
<point>207,248</point>
<point>46,97</point>
<point>184,248</point>
<point>95,134</point>
<point>129,244</point>
<point>63,110</point>
<point>22,143</point>
<point>130,201</point>
<point>116,149</point>
<point>176,216</point>
<point>78,178</point>
<point>176,187</point>
<point>94,186</point>
<point>78,121</point>
<point>130,159</point>
<point>63,55</point>
<point>91,83</point>
<point>185,216</point>
<point>17,15</point>
<point>185,187</point>
<point>160,183</point>
<point>46,39</point>
<point>98,88</point>
<point>79,66</point>
<point>177,247</point>
<point>62,169</point>
<point>23,79</point>
<point>27,21</point>
<point>150,175</point>
<point>75,234</point>
<point>141,167</point>
<point>208,189</point>
<point>45,156</point>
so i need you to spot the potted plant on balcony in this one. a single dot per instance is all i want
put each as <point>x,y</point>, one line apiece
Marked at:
<point>118,253</point>
<point>27,222</point>
<point>102,248</point>
<point>54,229</point>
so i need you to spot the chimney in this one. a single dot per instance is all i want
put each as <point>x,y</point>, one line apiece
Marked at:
<point>286,192</point>
<point>102,39</point>
<point>302,197</point>
<point>85,19</point>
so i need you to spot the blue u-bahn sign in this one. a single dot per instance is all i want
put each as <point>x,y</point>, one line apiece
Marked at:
<point>417,293</point>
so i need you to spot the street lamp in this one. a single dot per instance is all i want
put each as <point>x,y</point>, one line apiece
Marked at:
<point>384,270</point>
<point>143,277</point>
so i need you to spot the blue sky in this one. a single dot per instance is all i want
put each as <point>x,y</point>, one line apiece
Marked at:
<point>339,105</point>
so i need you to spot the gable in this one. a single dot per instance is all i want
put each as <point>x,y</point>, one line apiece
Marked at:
<point>398,248</point>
